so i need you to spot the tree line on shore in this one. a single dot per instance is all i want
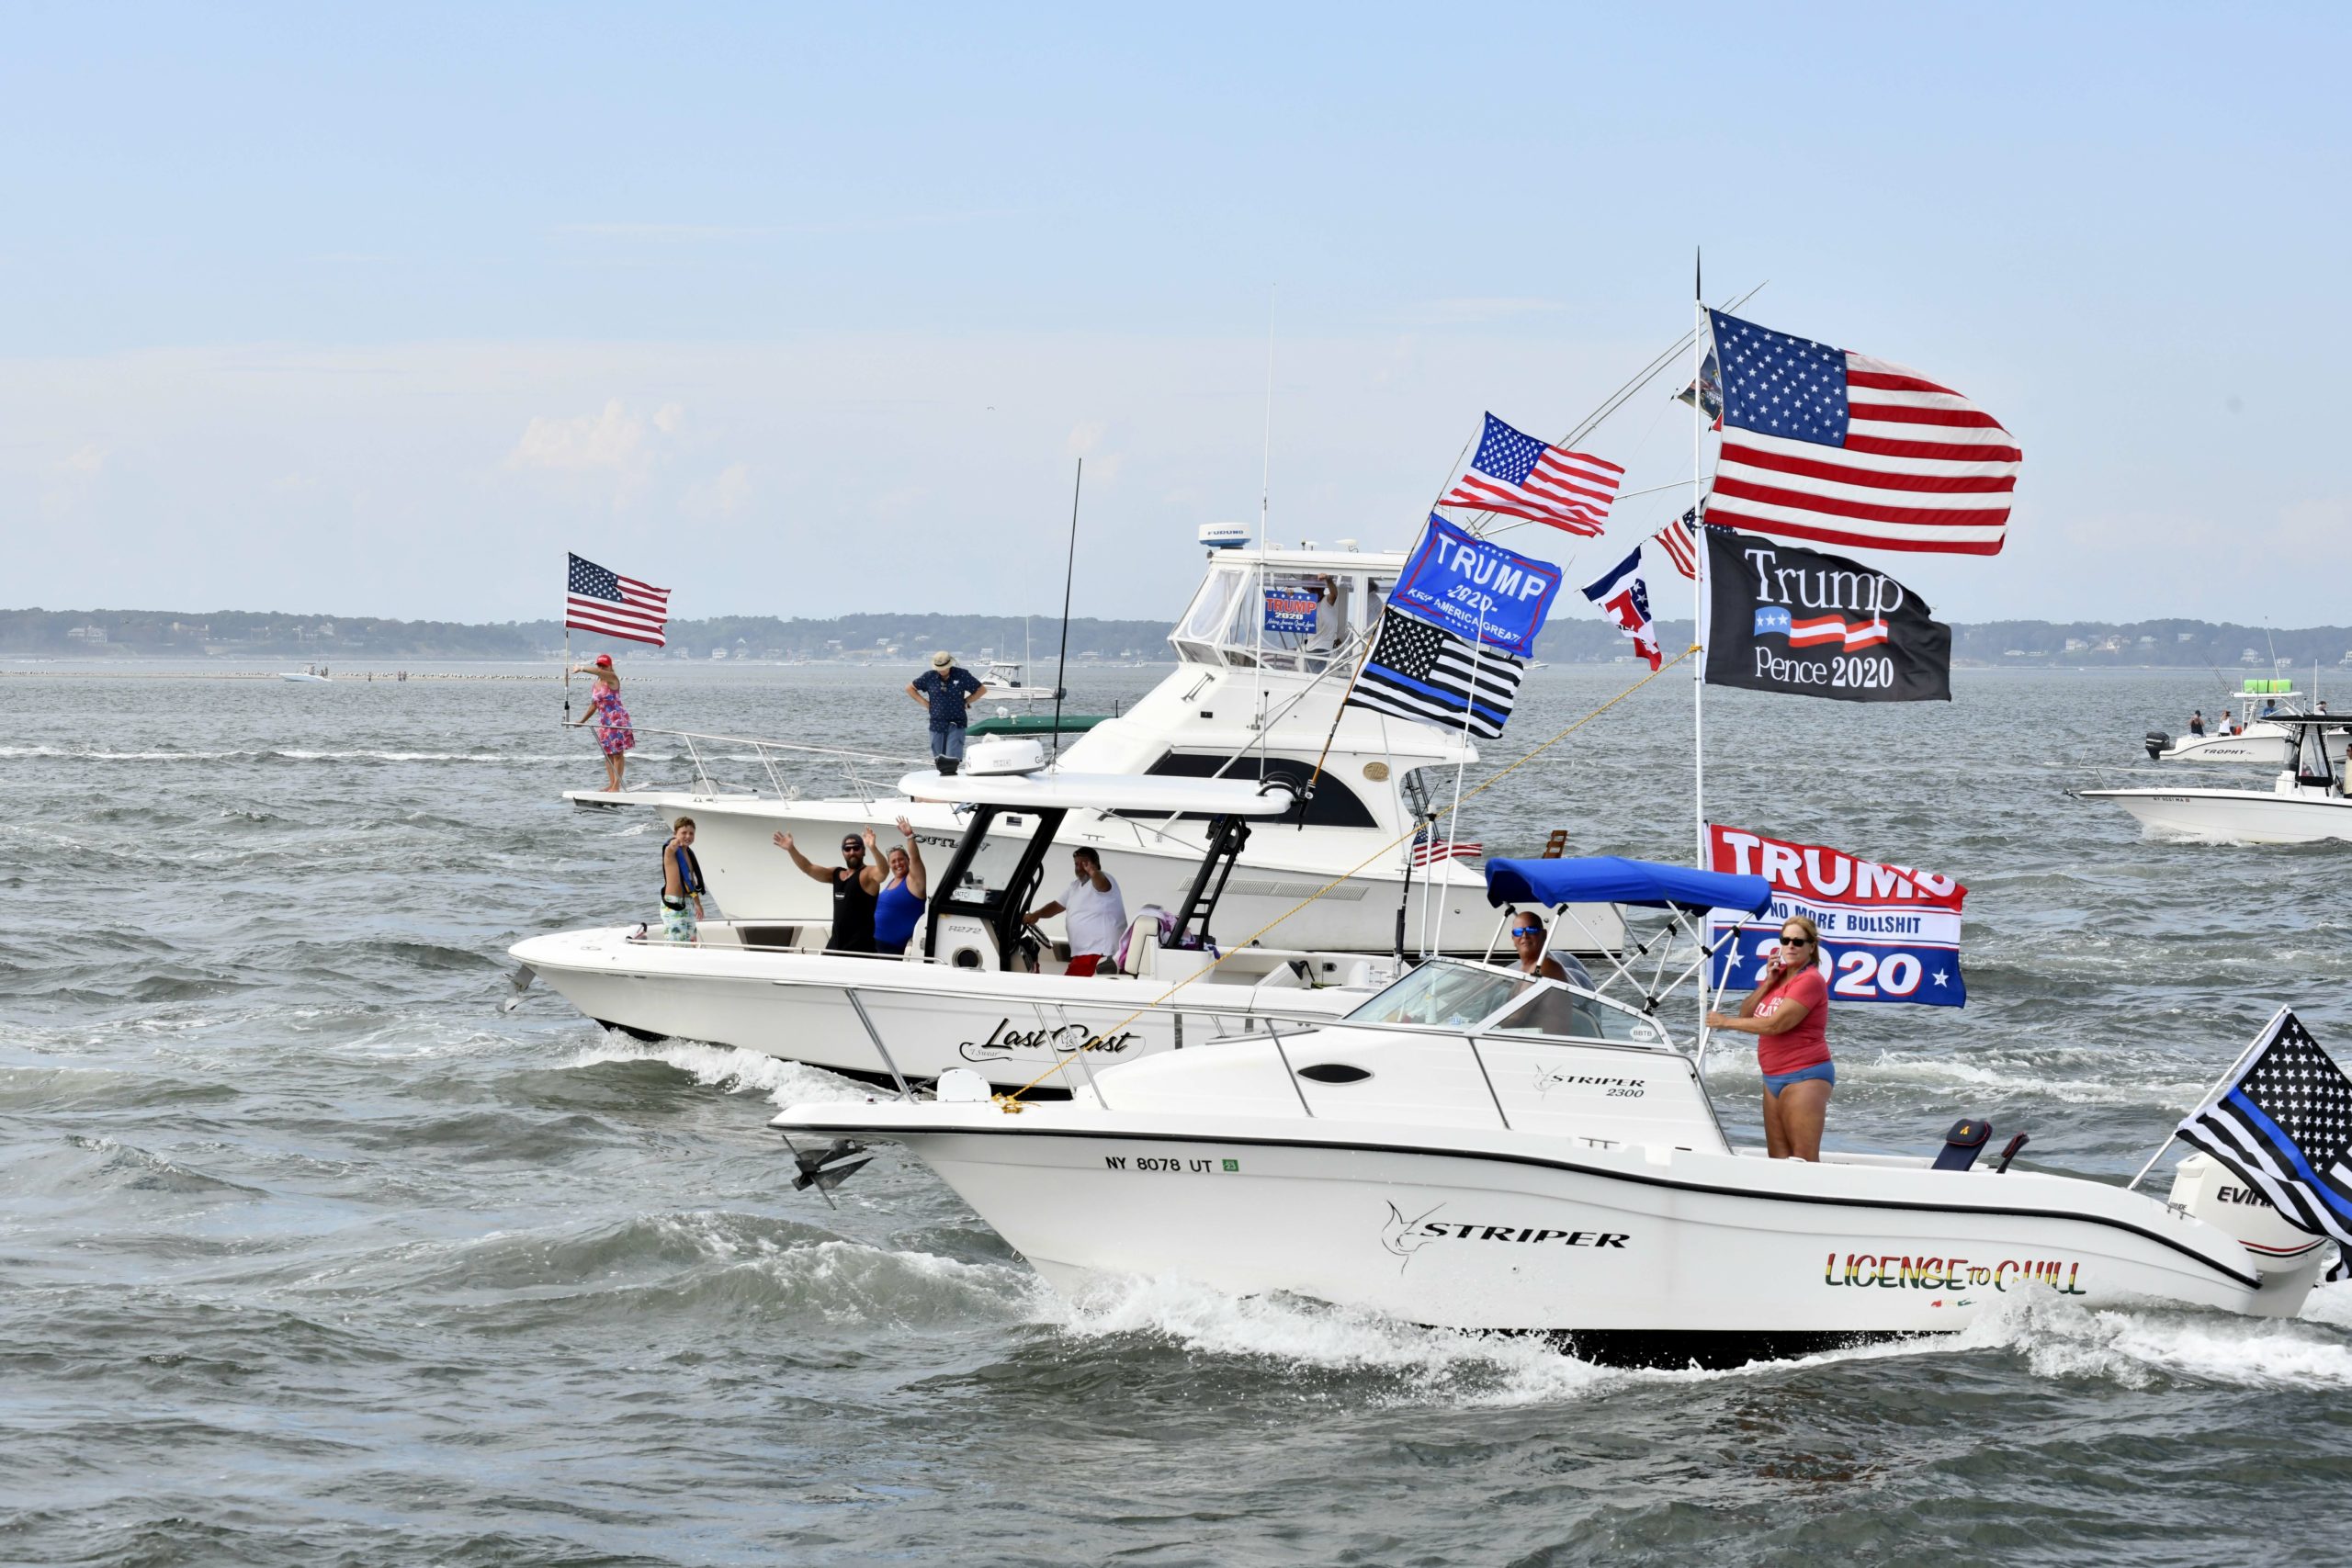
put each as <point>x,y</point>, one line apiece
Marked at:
<point>1570,638</point>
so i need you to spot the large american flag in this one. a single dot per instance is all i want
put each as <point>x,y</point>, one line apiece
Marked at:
<point>1839,448</point>
<point>2286,1126</point>
<point>1519,476</point>
<point>597,599</point>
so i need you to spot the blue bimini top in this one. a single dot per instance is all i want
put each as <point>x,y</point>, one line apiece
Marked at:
<point>1613,879</point>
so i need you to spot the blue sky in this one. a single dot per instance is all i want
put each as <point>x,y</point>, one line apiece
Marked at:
<point>804,312</point>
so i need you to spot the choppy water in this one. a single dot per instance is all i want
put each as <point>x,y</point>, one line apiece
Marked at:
<point>310,1256</point>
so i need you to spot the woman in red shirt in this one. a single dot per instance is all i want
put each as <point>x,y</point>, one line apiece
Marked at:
<point>1789,1015</point>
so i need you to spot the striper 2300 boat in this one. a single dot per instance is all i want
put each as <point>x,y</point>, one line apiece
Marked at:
<point>1471,1150</point>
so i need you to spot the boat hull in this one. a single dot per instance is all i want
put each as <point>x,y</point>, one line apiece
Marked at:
<point>2237,817</point>
<point>1625,1253</point>
<point>2262,744</point>
<point>1153,862</point>
<point>797,1007</point>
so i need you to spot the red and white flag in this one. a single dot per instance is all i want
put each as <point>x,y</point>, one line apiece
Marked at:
<point>1830,447</point>
<point>597,599</point>
<point>1519,476</point>
<point>1681,546</point>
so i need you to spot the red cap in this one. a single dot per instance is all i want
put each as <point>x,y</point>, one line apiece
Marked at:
<point>604,661</point>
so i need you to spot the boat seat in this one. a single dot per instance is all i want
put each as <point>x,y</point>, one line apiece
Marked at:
<point>1963,1145</point>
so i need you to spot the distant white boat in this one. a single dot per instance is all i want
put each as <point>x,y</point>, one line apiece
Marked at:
<point>2304,805</point>
<point>312,674</point>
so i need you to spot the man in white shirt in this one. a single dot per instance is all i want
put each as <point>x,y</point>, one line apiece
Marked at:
<point>1097,915</point>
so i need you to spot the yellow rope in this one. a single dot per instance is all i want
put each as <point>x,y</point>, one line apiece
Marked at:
<point>1012,1102</point>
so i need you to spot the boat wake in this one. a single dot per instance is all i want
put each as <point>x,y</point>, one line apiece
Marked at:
<point>727,1067</point>
<point>2145,1347</point>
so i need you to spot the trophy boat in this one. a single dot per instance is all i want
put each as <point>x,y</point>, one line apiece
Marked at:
<point>1476,1150</point>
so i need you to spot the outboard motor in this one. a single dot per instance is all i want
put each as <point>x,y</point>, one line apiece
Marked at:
<point>2205,1188</point>
<point>2158,744</point>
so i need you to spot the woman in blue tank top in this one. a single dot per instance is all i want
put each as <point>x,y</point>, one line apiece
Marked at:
<point>899,905</point>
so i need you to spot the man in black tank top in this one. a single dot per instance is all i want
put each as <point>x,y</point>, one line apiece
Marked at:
<point>855,886</point>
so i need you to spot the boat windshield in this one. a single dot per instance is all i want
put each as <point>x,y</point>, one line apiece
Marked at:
<point>1452,995</point>
<point>1446,994</point>
<point>1250,614</point>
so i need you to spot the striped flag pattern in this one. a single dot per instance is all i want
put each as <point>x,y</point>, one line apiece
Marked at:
<point>1681,545</point>
<point>1519,476</point>
<point>597,599</point>
<point>1427,849</point>
<point>1837,449</point>
<point>2285,1125</point>
<point>1423,673</point>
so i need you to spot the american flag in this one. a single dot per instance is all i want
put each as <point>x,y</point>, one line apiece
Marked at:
<point>1843,449</point>
<point>1422,672</point>
<point>1519,476</point>
<point>2286,1126</point>
<point>1428,849</point>
<point>1681,545</point>
<point>596,600</point>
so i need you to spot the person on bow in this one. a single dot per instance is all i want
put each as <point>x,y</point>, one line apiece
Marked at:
<point>856,884</point>
<point>898,906</point>
<point>682,884</point>
<point>2196,722</point>
<point>613,732</point>
<point>1097,912</point>
<point>945,689</point>
<point>1788,1014</point>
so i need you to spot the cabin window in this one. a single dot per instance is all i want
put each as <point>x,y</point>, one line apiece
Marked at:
<point>1334,1072</point>
<point>1334,806</point>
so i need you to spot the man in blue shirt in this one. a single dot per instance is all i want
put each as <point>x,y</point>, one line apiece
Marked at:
<point>945,689</point>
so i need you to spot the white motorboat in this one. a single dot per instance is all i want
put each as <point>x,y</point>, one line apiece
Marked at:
<point>1002,679</point>
<point>2259,740</point>
<point>971,991</point>
<point>2304,805</point>
<point>312,676</point>
<point>1244,701</point>
<point>1471,1150</point>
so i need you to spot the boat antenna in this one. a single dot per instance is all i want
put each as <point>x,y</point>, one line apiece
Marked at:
<point>1266,464</point>
<point>1070,567</point>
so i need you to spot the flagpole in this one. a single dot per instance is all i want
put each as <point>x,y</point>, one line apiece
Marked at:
<point>1698,575</point>
<point>2229,1076</point>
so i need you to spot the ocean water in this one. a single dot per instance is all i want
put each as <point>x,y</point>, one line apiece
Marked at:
<point>308,1255</point>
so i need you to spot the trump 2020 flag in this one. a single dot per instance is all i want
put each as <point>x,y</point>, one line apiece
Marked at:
<point>1479,591</point>
<point>1888,933</point>
<point>2284,1123</point>
<point>1625,599</point>
<point>1842,449</point>
<point>1795,621</point>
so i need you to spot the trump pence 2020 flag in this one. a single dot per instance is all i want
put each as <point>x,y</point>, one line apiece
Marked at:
<point>1796,621</point>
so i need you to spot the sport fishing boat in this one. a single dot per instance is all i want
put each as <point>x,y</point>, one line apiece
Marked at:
<point>2305,804</point>
<point>1245,702</point>
<point>1476,1150</point>
<point>1002,678</point>
<point>974,990</point>
<point>310,676</point>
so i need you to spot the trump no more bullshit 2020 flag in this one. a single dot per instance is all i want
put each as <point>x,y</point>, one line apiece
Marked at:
<point>1888,933</point>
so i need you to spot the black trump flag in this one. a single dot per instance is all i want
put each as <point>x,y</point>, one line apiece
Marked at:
<point>1784,619</point>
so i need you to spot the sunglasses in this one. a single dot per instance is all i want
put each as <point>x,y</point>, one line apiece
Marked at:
<point>1527,930</point>
<point>1796,941</point>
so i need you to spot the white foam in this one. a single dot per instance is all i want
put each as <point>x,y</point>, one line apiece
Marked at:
<point>2138,1347</point>
<point>728,1068</point>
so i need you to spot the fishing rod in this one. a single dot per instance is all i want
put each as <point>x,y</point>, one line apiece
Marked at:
<point>1069,569</point>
